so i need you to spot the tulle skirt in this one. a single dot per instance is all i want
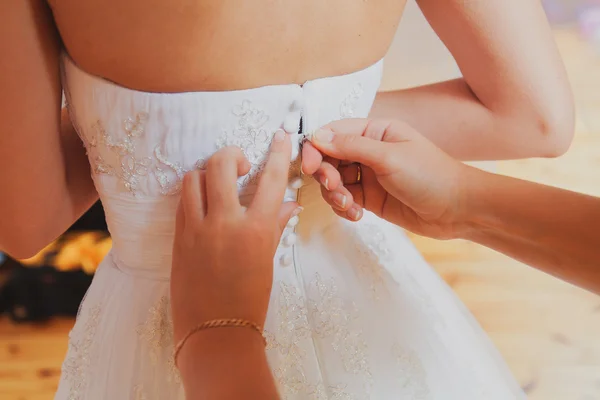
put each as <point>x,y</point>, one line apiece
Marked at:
<point>355,313</point>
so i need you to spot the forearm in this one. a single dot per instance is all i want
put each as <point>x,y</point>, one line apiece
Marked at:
<point>451,116</point>
<point>50,188</point>
<point>80,188</point>
<point>228,363</point>
<point>548,228</point>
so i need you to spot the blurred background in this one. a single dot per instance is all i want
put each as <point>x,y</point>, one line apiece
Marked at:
<point>547,330</point>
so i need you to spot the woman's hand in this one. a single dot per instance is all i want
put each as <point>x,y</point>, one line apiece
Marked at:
<point>410,182</point>
<point>404,178</point>
<point>223,253</point>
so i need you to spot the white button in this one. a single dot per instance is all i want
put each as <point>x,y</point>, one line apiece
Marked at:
<point>293,221</point>
<point>296,183</point>
<point>286,260</point>
<point>289,240</point>
<point>291,124</point>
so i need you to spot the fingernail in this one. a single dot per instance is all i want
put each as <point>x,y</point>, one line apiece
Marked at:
<point>297,211</point>
<point>355,212</point>
<point>325,183</point>
<point>323,135</point>
<point>279,135</point>
<point>339,199</point>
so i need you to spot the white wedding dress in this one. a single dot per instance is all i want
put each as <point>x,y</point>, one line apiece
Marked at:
<point>355,313</point>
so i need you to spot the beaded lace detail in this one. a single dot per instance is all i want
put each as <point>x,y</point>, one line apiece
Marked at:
<point>169,186</point>
<point>292,329</point>
<point>411,374</point>
<point>372,252</point>
<point>78,364</point>
<point>348,106</point>
<point>251,136</point>
<point>333,318</point>
<point>133,168</point>
<point>326,317</point>
<point>157,333</point>
<point>118,155</point>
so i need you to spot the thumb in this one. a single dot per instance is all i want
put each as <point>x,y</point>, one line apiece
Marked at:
<point>349,147</point>
<point>288,210</point>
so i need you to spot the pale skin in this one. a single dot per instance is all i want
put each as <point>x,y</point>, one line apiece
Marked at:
<point>514,100</point>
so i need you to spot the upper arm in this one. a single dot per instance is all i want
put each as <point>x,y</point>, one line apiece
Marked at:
<point>33,150</point>
<point>30,99</point>
<point>508,57</point>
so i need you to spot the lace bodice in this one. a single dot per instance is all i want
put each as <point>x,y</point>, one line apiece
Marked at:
<point>141,144</point>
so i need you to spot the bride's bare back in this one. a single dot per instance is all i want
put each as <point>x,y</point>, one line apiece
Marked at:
<point>184,45</point>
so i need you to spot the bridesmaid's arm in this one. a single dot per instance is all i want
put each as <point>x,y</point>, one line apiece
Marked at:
<point>227,364</point>
<point>551,229</point>
<point>514,100</point>
<point>415,185</point>
<point>44,173</point>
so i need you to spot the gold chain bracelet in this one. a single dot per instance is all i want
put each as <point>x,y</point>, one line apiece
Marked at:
<point>217,323</point>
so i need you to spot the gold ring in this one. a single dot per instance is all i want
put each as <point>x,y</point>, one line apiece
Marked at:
<point>358,173</point>
<point>358,176</point>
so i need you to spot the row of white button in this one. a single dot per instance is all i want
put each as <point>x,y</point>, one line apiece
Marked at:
<point>289,240</point>
<point>291,125</point>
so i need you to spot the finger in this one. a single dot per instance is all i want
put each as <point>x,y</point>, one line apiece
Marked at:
<point>381,130</point>
<point>192,200</point>
<point>357,194</point>
<point>345,146</point>
<point>287,211</point>
<point>350,173</point>
<point>333,161</point>
<point>355,213</point>
<point>274,179</point>
<point>341,213</point>
<point>244,167</point>
<point>330,198</point>
<point>222,172</point>
<point>340,199</point>
<point>311,159</point>
<point>360,140</point>
<point>328,176</point>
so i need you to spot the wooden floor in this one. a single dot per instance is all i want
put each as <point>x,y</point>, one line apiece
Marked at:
<point>548,331</point>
